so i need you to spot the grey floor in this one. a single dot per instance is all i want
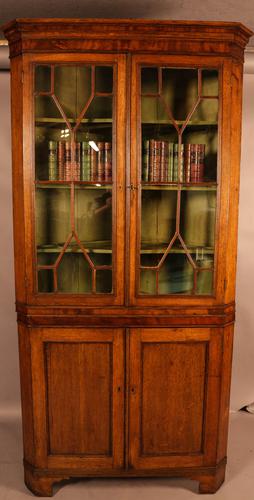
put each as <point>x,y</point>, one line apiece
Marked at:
<point>239,483</point>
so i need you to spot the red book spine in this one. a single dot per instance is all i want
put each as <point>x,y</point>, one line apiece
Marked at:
<point>201,162</point>
<point>197,162</point>
<point>151,160</point>
<point>194,162</point>
<point>67,172</point>
<point>101,162</point>
<point>108,161</point>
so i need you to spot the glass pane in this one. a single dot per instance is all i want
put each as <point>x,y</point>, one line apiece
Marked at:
<point>104,79</point>
<point>73,171</point>
<point>104,281</point>
<point>205,282</point>
<point>100,108</point>
<point>42,78</point>
<point>52,210</point>
<point>72,89</point>
<point>74,273</point>
<point>210,82</point>
<point>179,93</point>
<point>158,218</point>
<point>198,217</point>
<point>149,80</point>
<point>93,220</point>
<point>176,274</point>
<point>148,280</point>
<point>179,125</point>
<point>45,281</point>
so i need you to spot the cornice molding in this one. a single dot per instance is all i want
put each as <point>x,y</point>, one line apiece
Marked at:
<point>5,62</point>
<point>134,35</point>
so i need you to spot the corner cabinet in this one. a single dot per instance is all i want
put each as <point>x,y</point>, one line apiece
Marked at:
<point>126,149</point>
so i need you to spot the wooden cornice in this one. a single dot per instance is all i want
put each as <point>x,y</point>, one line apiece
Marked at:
<point>133,35</point>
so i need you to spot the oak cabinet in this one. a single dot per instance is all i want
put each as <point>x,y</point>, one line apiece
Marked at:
<point>126,148</point>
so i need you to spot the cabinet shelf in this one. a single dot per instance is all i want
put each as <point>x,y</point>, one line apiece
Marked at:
<point>201,123</point>
<point>91,247</point>
<point>106,247</point>
<point>160,248</point>
<point>173,186</point>
<point>78,184</point>
<point>55,121</point>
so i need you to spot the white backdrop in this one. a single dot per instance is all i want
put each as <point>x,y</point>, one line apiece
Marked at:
<point>243,361</point>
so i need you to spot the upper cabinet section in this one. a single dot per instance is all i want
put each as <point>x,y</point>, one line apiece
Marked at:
<point>127,156</point>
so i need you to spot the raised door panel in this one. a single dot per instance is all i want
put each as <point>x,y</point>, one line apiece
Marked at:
<point>79,397</point>
<point>174,397</point>
<point>79,388</point>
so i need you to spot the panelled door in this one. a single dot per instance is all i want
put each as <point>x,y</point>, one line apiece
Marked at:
<point>173,396</point>
<point>78,394</point>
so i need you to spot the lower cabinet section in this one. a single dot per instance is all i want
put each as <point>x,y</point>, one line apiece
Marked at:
<point>105,401</point>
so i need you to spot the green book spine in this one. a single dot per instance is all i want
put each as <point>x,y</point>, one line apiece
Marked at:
<point>146,160</point>
<point>85,162</point>
<point>53,174</point>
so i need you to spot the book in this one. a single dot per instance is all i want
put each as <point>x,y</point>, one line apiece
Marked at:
<point>93,165</point>
<point>170,162</point>
<point>164,161</point>
<point>61,159</point>
<point>101,162</point>
<point>78,161</point>
<point>85,173</point>
<point>67,163</point>
<point>197,162</point>
<point>108,161</point>
<point>146,152</point>
<point>76,166</point>
<point>187,162</point>
<point>53,171</point>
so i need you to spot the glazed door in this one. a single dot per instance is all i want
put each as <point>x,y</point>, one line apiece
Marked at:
<point>78,177</point>
<point>78,397</point>
<point>174,396</point>
<point>174,179</point>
